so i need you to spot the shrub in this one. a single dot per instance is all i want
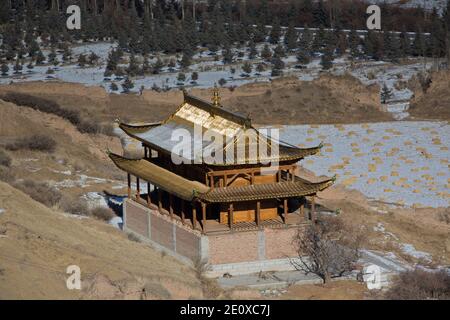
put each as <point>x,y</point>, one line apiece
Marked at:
<point>6,175</point>
<point>89,126</point>
<point>34,143</point>
<point>41,104</point>
<point>5,160</point>
<point>75,206</point>
<point>133,237</point>
<point>108,129</point>
<point>40,192</point>
<point>419,285</point>
<point>103,213</point>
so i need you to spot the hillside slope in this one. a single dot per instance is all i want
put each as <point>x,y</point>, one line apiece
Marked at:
<point>329,99</point>
<point>435,104</point>
<point>37,244</point>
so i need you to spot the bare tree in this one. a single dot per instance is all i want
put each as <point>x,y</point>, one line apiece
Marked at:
<point>329,248</point>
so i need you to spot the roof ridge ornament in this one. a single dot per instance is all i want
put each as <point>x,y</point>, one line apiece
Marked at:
<point>216,96</point>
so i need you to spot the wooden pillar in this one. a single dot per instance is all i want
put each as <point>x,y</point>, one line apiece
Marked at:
<point>225,179</point>
<point>258,213</point>
<point>182,211</point>
<point>231,216</point>
<point>302,210</point>
<point>252,181</point>
<point>149,196</point>
<point>138,188</point>
<point>211,181</point>
<point>279,175</point>
<point>171,205</point>
<point>159,200</point>
<point>313,208</point>
<point>194,216</point>
<point>285,209</point>
<point>293,172</point>
<point>129,185</point>
<point>204,217</point>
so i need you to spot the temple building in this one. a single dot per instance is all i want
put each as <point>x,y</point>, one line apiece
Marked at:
<point>192,189</point>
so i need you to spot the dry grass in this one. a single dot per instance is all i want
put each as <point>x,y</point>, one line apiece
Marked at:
<point>420,285</point>
<point>6,174</point>
<point>43,241</point>
<point>74,206</point>
<point>40,192</point>
<point>102,213</point>
<point>211,290</point>
<point>41,143</point>
<point>5,159</point>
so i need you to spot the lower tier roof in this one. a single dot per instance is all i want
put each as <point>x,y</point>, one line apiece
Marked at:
<point>193,190</point>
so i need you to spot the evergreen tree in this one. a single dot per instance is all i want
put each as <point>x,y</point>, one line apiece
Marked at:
<point>52,55</point>
<point>354,42</point>
<point>247,67</point>
<point>418,46</point>
<point>18,66</point>
<point>146,67</point>
<point>275,33</point>
<point>327,58</point>
<point>157,66</point>
<point>181,77</point>
<point>40,58</point>
<point>277,67</point>
<point>133,67</point>
<point>266,53</point>
<point>279,51</point>
<point>33,48</point>
<point>93,58</point>
<point>194,76</point>
<point>303,56</point>
<point>253,51</point>
<point>385,94</point>
<point>82,61</point>
<point>127,85</point>
<point>186,60</point>
<point>227,56</point>
<point>67,54</point>
<point>260,68</point>
<point>260,33</point>
<point>394,48</point>
<point>320,15</point>
<point>4,69</point>
<point>405,45</point>
<point>290,39</point>
<point>113,86</point>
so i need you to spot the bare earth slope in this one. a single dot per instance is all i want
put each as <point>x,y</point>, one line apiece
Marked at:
<point>435,104</point>
<point>37,244</point>
<point>329,99</point>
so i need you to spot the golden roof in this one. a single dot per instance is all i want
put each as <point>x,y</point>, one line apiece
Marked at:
<point>236,130</point>
<point>190,190</point>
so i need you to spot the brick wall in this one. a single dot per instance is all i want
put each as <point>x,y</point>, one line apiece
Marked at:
<point>233,247</point>
<point>260,246</point>
<point>279,243</point>
<point>162,232</point>
<point>188,244</point>
<point>137,219</point>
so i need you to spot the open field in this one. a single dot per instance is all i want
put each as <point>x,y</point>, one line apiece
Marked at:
<point>401,163</point>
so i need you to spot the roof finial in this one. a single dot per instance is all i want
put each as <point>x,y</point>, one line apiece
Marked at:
<point>216,97</point>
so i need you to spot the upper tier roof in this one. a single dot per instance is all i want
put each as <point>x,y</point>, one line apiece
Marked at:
<point>235,130</point>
